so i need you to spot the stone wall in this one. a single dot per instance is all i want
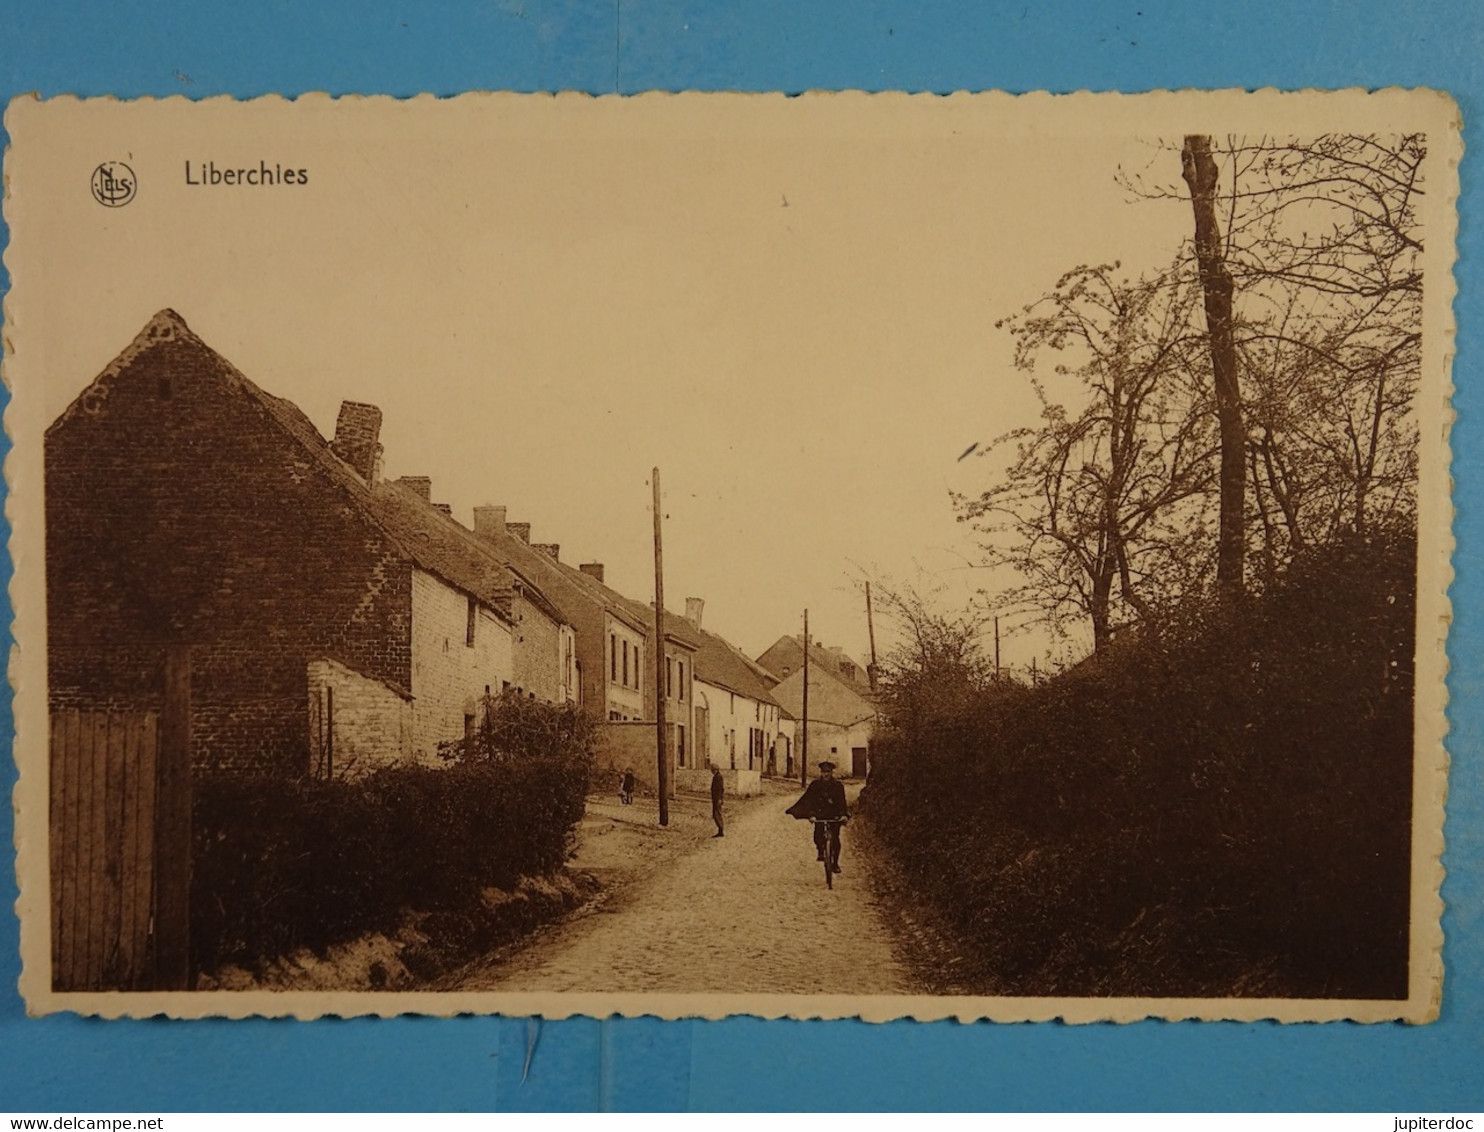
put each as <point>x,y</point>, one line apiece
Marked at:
<point>738,783</point>
<point>624,745</point>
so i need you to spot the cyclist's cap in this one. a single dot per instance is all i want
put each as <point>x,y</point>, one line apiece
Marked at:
<point>826,765</point>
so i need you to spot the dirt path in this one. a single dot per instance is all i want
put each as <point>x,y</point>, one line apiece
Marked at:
<point>745,913</point>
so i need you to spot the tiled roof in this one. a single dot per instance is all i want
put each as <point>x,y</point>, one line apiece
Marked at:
<point>720,662</point>
<point>442,546</point>
<point>831,699</point>
<point>788,652</point>
<point>677,628</point>
<point>563,585</point>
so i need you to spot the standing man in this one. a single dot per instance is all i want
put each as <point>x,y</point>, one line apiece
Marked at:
<point>718,792</point>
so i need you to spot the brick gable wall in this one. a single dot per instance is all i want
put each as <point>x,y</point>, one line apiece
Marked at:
<point>179,510</point>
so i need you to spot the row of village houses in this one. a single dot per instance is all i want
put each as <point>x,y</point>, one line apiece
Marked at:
<point>337,621</point>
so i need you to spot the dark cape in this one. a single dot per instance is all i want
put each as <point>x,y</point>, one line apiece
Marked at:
<point>824,798</point>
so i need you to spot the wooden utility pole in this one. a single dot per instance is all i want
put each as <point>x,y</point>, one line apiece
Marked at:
<point>172,906</point>
<point>871,629</point>
<point>658,655</point>
<point>996,648</point>
<point>804,745</point>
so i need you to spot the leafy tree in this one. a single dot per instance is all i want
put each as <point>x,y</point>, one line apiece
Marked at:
<point>1103,508</point>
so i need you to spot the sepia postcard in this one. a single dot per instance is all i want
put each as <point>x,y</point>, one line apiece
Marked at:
<point>881,556</point>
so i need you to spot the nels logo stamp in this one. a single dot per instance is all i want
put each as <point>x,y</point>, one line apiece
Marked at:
<point>114,184</point>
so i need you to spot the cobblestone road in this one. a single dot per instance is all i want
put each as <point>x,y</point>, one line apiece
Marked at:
<point>748,912</point>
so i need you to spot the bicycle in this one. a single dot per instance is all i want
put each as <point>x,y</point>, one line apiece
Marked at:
<point>831,847</point>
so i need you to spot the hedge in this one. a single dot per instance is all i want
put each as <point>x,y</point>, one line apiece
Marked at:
<point>283,864</point>
<point>1219,808</point>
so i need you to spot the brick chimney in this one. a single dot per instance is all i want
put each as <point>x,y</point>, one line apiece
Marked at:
<point>489,521</point>
<point>592,570</point>
<point>521,531</point>
<point>693,608</point>
<point>358,438</point>
<point>553,549</point>
<point>420,486</point>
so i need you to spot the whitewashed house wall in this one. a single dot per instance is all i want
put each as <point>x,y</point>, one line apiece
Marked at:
<point>623,654</point>
<point>451,674</point>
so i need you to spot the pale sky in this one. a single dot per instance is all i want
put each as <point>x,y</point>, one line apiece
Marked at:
<point>789,311</point>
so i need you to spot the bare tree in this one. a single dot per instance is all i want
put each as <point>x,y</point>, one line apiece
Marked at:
<point>1332,441</point>
<point>940,655</point>
<point>1322,256</point>
<point>1329,228</point>
<point>1288,413</point>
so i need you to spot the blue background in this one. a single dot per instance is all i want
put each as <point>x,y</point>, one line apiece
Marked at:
<point>129,49</point>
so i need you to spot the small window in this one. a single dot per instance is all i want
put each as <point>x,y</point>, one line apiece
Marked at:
<point>682,679</point>
<point>669,677</point>
<point>626,664</point>
<point>638,668</point>
<point>473,620</point>
<point>612,657</point>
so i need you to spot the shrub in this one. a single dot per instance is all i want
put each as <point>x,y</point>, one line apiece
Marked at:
<point>285,864</point>
<point>512,726</point>
<point>1221,808</point>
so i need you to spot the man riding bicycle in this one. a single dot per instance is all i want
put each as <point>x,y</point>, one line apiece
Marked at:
<point>824,803</point>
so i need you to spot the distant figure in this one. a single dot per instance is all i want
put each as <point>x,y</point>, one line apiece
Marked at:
<point>824,800</point>
<point>626,787</point>
<point>718,792</point>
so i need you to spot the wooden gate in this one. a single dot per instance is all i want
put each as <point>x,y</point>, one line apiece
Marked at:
<point>120,842</point>
<point>104,787</point>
